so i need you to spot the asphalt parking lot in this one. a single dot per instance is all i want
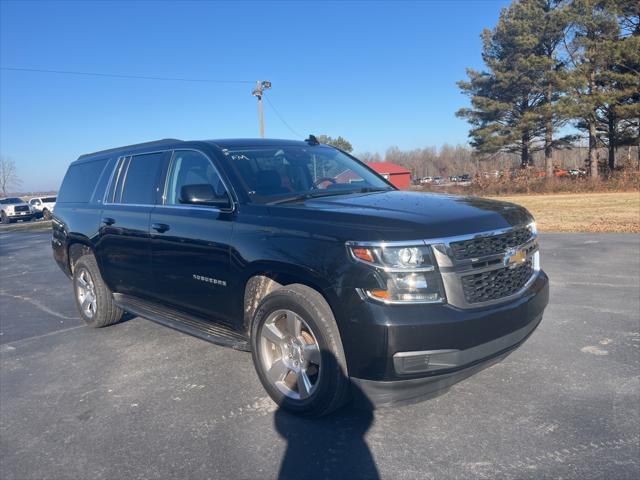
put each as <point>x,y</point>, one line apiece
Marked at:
<point>138,400</point>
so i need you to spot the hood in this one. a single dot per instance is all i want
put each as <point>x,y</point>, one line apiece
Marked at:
<point>398,215</point>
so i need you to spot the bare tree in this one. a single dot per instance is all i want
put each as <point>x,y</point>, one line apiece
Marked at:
<point>367,157</point>
<point>8,175</point>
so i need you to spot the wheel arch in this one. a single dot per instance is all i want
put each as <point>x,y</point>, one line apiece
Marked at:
<point>264,278</point>
<point>76,248</point>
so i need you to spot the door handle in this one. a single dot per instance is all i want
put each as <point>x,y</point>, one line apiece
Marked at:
<point>108,221</point>
<point>160,227</point>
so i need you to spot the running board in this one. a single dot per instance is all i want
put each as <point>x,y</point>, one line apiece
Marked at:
<point>189,324</point>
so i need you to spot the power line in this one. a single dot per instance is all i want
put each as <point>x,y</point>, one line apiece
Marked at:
<point>149,77</point>
<point>116,75</point>
<point>275,110</point>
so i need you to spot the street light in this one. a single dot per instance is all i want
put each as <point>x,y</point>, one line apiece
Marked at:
<point>261,86</point>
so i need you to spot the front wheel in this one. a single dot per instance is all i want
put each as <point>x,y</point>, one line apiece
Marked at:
<point>4,219</point>
<point>297,351</point>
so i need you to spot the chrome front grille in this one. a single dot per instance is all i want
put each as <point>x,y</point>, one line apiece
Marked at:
<point>21,208</point>
<point>490,245</point>
<point>496,284</point>
<point>487,268</point>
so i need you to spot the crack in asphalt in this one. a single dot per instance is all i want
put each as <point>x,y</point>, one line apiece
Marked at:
<point>38,305</point>
<point>10,346</point>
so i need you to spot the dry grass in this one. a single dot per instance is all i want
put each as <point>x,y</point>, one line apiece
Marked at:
<point>583,212</point>
<point>524,182</point>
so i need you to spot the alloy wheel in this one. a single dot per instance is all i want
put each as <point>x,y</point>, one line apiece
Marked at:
<point>290,354</point>
<point>86,293</point>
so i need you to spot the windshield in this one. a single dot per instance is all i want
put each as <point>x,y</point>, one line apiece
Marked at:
<point>277,173</point>
<point>9,201</point>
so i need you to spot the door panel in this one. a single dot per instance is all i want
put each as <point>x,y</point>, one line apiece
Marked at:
<point>123,251</point>
<point>190,242</point>
<point>191,259</point>
<point>123,248</point>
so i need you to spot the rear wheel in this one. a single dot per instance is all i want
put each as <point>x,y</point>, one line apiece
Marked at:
<point>93,297</point>
<point>46,214</point>
<point>298,353</point>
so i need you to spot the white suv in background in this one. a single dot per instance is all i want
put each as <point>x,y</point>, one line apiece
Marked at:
<point>43,205</point>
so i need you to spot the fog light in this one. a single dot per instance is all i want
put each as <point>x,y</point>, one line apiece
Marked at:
<point>426,360</point>
<point>410,363</point>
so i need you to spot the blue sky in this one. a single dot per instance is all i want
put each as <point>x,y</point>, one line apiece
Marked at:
<point>377,73</point>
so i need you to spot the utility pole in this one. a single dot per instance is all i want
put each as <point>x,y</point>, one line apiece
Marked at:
<point>261,86</point>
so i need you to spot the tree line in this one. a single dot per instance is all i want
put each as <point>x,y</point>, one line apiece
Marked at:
<point>460,159</point>
<point>555,64</point>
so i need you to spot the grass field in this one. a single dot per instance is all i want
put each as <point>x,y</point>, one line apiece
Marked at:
<point>583,212</point>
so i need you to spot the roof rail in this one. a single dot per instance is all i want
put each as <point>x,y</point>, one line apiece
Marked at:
<point>163,141</point>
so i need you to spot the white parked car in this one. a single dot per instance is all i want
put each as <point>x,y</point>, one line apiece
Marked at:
<point>13,209</point>
<point>44,205</point>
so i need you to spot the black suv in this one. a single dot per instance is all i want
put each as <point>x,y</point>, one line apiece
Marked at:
<point>339,284</point>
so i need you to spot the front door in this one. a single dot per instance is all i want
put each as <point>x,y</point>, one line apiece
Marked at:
<point>190,243</point>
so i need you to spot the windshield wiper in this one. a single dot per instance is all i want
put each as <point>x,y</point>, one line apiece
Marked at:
<point>305,196</point>
<point>331,193</point>
<point>373,189</point>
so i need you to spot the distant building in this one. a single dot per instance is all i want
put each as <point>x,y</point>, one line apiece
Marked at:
<point>397,175</point>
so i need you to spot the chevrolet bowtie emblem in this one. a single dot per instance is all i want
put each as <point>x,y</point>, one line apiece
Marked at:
<point>513,256</point>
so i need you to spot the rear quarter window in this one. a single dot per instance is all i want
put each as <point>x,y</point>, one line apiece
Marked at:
<point>80,182</point>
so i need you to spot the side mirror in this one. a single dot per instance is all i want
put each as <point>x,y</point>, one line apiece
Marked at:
<point>203,194</point>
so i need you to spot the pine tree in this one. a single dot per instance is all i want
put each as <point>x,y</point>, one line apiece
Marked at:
<point>550,30</point>
<point>515,102</point>
<point>627,68</point>
<point>592,35</point>
<point>341,143</point>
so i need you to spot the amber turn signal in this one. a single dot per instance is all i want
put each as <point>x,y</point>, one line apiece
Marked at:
<point>381,294</point>
<point>363,254</point>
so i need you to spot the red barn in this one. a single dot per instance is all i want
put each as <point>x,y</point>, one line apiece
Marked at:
<point>399,176</point>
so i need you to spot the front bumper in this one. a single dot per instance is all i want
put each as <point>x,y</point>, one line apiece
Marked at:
<point>454,342</point>
<point>21,216</point>
<point>381,393</point>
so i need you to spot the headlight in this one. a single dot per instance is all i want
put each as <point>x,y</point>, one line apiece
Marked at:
<point>406,273</point>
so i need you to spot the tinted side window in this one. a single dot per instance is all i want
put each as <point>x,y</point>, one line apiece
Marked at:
<point>98,193</point>
<point>140,178</point>
<point>191,168</point>
<point>80,181</point>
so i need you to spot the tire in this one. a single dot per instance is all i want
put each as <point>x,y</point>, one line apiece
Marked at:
<point>304,371</point>
<point>4,219</point>
<point>100,311</point>
<point>46,214</point>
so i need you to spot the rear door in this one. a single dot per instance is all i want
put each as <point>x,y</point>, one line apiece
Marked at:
<point>123,247</point>
<point>190,243</point>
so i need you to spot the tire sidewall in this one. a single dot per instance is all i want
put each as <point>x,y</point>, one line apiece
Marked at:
<point>88,263</point>
<point>330,371</point>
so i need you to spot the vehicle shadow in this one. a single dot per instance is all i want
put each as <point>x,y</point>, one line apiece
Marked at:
<point>329,447</point>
